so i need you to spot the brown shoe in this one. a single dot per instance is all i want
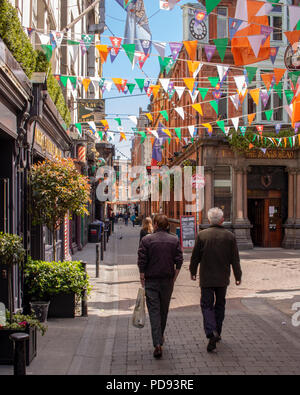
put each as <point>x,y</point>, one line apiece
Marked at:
<point>157,352</point>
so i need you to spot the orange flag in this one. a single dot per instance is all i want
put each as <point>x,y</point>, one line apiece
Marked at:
<point>189,82</point>
<point>296,111</point>
<point>254,93</point>
<point>103,52</point>
<point>251,145</point>
<point>86,83</point>
<point>149,116</point>
<point>278,75</point>
<point>193,66</point>
<point>267,79</point>
<point>191,48</point>
<point>155,89</point>
<point>250,118</point>
<point>293,36</point>
<point>197,107</point>
<point>122,136</point>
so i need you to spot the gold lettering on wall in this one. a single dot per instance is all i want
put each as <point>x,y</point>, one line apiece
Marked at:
<point>46,144</point>
<point>271,154</point>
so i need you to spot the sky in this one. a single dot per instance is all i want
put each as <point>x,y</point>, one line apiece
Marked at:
<point>165,26</point>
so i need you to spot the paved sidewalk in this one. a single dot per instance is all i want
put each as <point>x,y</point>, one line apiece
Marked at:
<point>258,336</point>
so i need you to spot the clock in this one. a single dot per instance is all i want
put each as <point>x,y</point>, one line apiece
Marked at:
<point>198,30</point>
<point>292,57</point>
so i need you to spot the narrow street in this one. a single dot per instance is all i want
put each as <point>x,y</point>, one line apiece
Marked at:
<point>258,336</point>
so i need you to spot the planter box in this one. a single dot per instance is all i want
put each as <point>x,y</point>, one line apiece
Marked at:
<point>6,345</point>
<point>62,306</point>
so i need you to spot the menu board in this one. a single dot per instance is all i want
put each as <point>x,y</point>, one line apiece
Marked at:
<point>187,231</point>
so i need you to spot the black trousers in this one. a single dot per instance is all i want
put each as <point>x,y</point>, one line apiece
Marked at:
<point>158,297</point>
<point>213,309</point>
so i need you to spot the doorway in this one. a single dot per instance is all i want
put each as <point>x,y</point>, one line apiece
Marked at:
<point>266,217</point>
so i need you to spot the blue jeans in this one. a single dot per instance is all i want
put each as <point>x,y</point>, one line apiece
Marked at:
<point>213,309</point>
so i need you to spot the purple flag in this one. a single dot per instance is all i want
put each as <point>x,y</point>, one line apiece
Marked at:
<point>266,31</point>
<point>277,127</point>
<point>264,96</point>
<point>113,54</point>
<point>175,49</point>
<point>146,46</point>
<point>234,24</point>
<point>209,51</point>
<point>156,152</point>
<point>273,53</point>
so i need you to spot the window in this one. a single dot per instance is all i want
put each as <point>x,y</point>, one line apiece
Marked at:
<point>223,190</point>
<point>222,24</point>
<point>275,21</point>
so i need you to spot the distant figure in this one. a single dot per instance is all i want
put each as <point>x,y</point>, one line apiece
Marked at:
<point>147,227</point>
<point>133,217</point>
<point>159,260</point>
<point>126,216</point>
<point>216,251</point>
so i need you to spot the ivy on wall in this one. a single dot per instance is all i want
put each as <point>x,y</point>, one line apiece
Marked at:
<point>17,42</point>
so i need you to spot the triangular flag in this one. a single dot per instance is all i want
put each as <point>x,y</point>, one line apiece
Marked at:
<point>235,122</point>
<point>133,119</point>
<point>164,83</point>
<point>129,49</point>
<point>273,53</point>
<point>214,81</point>
<point>264,97</point>
<point>211,5</point>
<point>167,132</point>
<point>116,41</point>
<point>278,89</point>
<point>193,67</point>
<point>203,92</point>
<point>294,13</point>
<point>179,90</point>
<point>86,83</point>
<point>289,94</point>
<point>79,128</point>
<point>146,46</point>
<point>180,111</point>
<point>103,52</point>
<point>64,80</point>
<point>48,50</point>
<point>189,82</point>
<point>251,118</point>
<point>93,126</point>
<point>222,70</point>
<point>267,79</point>
<point>234,25</point>
<point>191,130</point>
<point>269,114</point>
<point>140,82</point>
<point>122,137</point>
<point>221,125</point>
<point>118,120</point>
<point>131,87</point>
<point>191,48</point>
<point>160,47</point>
<point>254,93</point>
<point>221,45</point>
<point>241,84</point>
<point>255,42</point>
<point>235,100</point>
<point>113,52</point>
<point>293,36</point>
<point>251,145</point>
<point>243,130</point>
<point>175,48</point>
<point>198,108</point>
<point>194,95</point>
<point>155,89</point>
<point>215,106</point>
<point>251,73</point>
<point>164,113</point>
<point>149,116</point>
<point>178,132</point>
<point>208,127</point>
<point>279,73</point>
<point>163,63</point>
<point>209,51</point>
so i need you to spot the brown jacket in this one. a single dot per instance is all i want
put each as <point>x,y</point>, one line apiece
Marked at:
<point>215,250</point>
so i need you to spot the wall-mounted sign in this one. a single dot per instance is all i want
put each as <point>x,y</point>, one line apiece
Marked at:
<point>90,110</point>
<point>271,154</point>
<point>46,144</point>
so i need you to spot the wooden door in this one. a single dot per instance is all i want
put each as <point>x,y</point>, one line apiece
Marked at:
<point>273,223</point>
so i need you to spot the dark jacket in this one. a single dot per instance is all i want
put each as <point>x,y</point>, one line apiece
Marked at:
<point>158,255</point>
<point>216,250</point>
<point>143,233</point>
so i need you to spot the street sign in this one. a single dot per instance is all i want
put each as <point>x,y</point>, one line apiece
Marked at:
<point>90,110</point>
<point>188,231</point>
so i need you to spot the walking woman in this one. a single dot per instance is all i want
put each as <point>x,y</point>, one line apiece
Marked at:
<point>147,227</point>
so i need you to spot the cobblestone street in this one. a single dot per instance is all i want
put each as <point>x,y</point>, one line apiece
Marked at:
<point>258,336</point>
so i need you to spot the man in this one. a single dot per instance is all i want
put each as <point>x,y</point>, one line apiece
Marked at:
<point>159,260</point>
<point>216,251</point>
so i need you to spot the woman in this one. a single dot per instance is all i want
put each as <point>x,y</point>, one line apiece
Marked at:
<point>147,227</point>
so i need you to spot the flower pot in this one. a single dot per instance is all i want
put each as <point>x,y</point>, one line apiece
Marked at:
<point>6,345</point>
<point>62,306</point>
<point>40,309</point>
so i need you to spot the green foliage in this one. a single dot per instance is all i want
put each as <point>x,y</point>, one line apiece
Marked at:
<point>15,39</point>
<point>240,143</point>
<point>20,322</point>
<point>53,87</point>
<point>11,249</point>
<point>44,279</point>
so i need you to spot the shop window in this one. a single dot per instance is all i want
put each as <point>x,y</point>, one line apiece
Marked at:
<point>222,22</point>
<point>275,21</point>
<point>223,190</point>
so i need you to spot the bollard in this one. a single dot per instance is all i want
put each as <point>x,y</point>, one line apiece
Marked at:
<point>102,247</point>
<point>19,345</point>
<point>84,306</point>
<point>97,259</point>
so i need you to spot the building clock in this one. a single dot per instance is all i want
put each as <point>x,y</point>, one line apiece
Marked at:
<point>198,30</point>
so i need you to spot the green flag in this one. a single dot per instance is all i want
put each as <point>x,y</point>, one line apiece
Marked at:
<point>163,63</point>
<point>79,128</point>
<point>214,81</point>
<point>215,106</point>
<point>211,5</point>
<point>289,94</point>
<point>221,125</point>
<point>129,49</point>
<point>278,89</point>
<point>118,120</point>
<point>251,73</point>
<point>269,114</point>
<point>130,87</point>
<point>73,81</point>
<point>164,113</point>
<point>48,51</point>
<point>203,92</point>
<point>140,82</point>
<point>293,76</point>
<point>178,132</point>
<point>221,44</point>
<point>64,80</point>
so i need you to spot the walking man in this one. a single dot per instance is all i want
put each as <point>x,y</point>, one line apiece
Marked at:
<point>159,260</point>
<point>216,251</point>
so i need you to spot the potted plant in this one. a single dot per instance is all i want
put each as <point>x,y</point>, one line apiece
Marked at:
<point>19,323</point>
<point>61,283</point>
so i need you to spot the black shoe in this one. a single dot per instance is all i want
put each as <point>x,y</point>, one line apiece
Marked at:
<point>157,352</point>
<point>212,342</point>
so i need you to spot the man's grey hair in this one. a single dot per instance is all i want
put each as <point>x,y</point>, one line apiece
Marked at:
<point>215,215</point>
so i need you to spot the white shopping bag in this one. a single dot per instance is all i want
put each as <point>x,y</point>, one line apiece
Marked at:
<point>139,312</point>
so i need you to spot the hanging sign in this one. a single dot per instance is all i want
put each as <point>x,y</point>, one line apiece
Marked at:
<point>90,110</point>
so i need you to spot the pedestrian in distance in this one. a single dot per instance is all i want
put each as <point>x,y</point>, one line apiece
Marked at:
<point>133,218</point>
<point>147,228</point>
<point>126,216</point>
<point>159,261</point>
<point>216,251</point>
